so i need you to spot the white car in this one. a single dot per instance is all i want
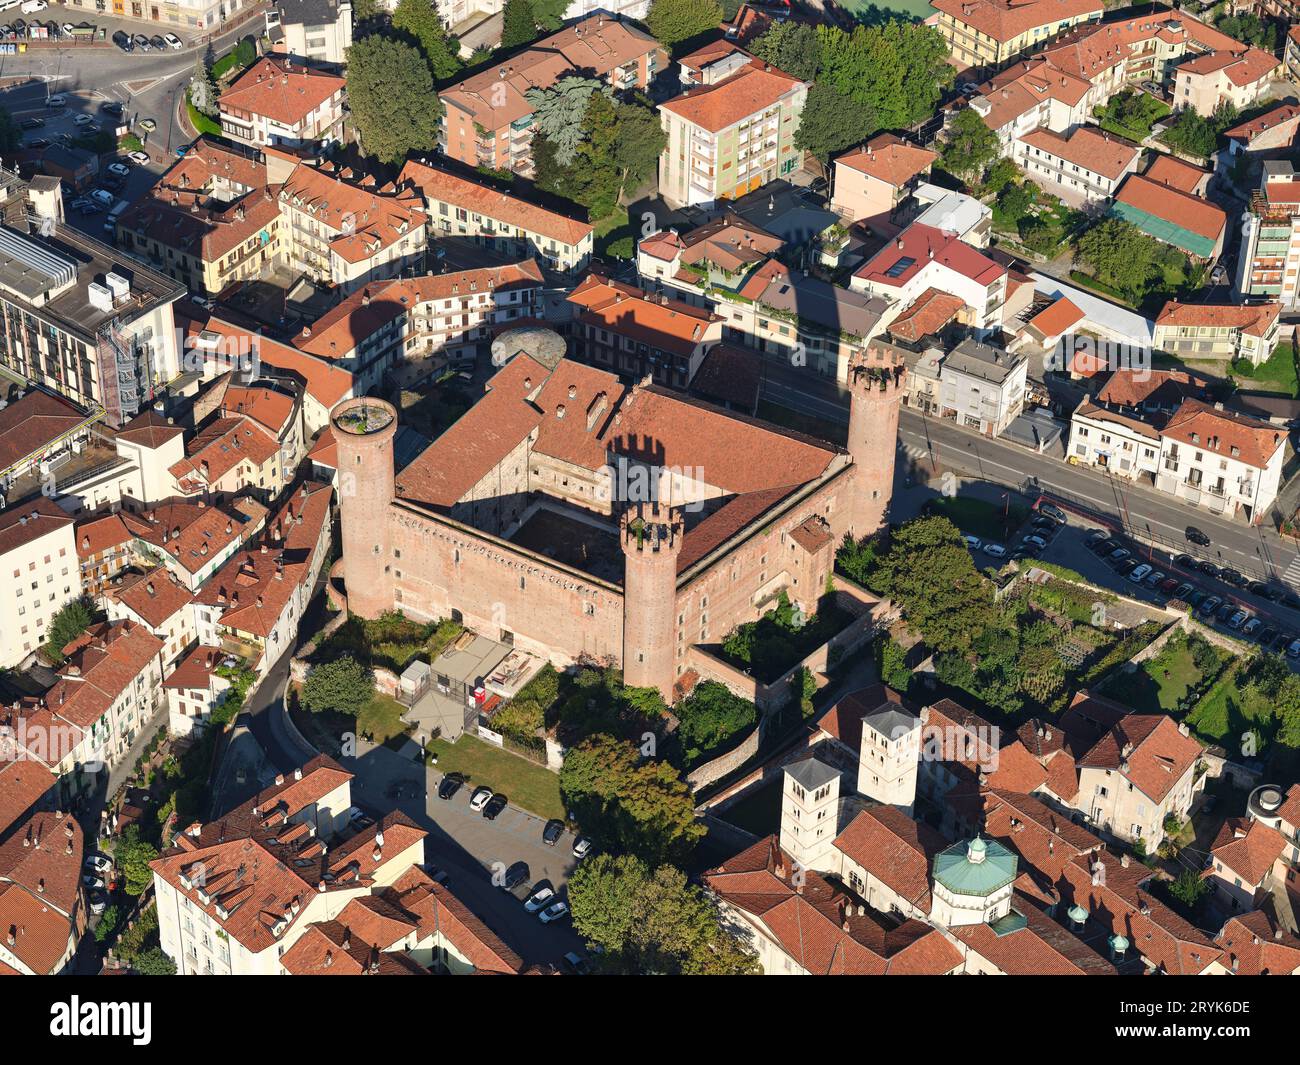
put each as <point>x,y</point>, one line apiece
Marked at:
<point>554,912</point>
<point>172,40</point>
<point>1139,573</point>
<point>995,550</point>
<point>95,882</point>
<point>539,899</point>
<point>1035,541</point>
<point>31,6</point>
<point>98,904</point>
<point>57,100</point>
<point>99,864</point>
<point>581,848</point>
<point>119,169</point>
<point>973,542</point>
<point>83,120</point>
<point>1237,618</point>
<point>480,798</point>
<point>67,28</point>
<point>139,158</point>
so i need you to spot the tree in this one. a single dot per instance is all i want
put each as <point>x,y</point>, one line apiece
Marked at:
<point>420,19</point>
<point>628,804</point>
<point>364,10</point>
<point>559,112</point>
<point>969,146</point>
<point>344,685</point>
<point>651,920</point>
<point>893,665</point>
<point>1189,889</point>
<point>832,121</point>
<point>518,24</point>
<point>791,46</point>
<point>153,962</point>
<point>1121,256</point>
<point>898,69</point>
<point>638,142</point>
<point>69,623</point>
<point>133,856</point>
<point>203,91</point>
<point>672,21</point>
<point>711,715</point>
<point>390,92</point>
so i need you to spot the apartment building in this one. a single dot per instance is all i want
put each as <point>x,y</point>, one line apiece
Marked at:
<point>195,687</point>
<point>731,130</point>
<point>415,327</point>
<point>1280,809</point>
<point>1221,331</point>
<point>230,456</point>
<point>1238,78</point>
<point>38,559</point>
<point>982,386</point>
<point>315,30</point>
<point>989,33</point>
<point>1226,462</point>
<point>1243,860</point>
<point>1083,167</point>
<point>279,102</point>
<point>872,182</point>
<point>42,906</point>
<point>345,231</point>
<point>488,118</point>
<point>638,334</point>
<point>192,539</point>
<point>72,323</point>
<point>1268,261</point>
<point>103,552</point>
<point>155,599</point>
<point>209,221</point>
<point>1120,443</point>
<point>499,221</point>
<point>1267,136</point>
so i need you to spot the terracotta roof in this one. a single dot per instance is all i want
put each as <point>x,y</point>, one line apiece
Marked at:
<point>441,912</point>
<point>154,596</point>
<point>926,315</point>
<point>1041,947</point>
<point>924,245</point>
<point>1148,750</point>
<point>1090,148</point>
<point>1254,943</point>
<point>196,670</point>
<point>357,222</point>
<point>23,524</point>
<point>1056,319</point>
<point>1004,20</point>
<point>1254,319</point>
<point>843,720</point>
<point>1225,433</point>
<point>23,783</point>
<point>1044,838</point>
<point>895,849</point>
<point>335,948</point>
<point>31,424</point>
<point>221,446</point>
<point>1248,848</point>
<point>101,534</point>
<point>1283,113</point>
<point>270,408</point>
<point>889,159</point>
<point>43,855</point>
<point>1168,204</point>
<point>1176,174</point>
<point>149,429</point>
<point>730,373</point>
<point>444,186</point>
<point>100,665</point>
<point>1241,67</point>
<point>1088,409</point>
<point>281,90</point>
<point>718,106</point>
<point>660,321</point>
<point>193,533</point>
<point>42,934</point>
<point>1135,388</point>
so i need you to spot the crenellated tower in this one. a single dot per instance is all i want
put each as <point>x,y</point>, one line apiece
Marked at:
<point>652,536</point>
<point>876,379</point>
<point>364,430</point>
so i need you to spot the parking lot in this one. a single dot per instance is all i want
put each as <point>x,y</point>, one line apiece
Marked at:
<point>1267,615</point>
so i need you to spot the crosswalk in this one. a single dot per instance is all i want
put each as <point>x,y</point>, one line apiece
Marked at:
<point>915,452</point>
<point>1291,575</point>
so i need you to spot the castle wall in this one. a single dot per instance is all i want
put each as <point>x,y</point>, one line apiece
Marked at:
<point>440,566</point>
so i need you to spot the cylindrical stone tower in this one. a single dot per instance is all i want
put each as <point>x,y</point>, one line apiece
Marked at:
<point>364,430</point>
<point>652,539</point>
<point>876,380</point>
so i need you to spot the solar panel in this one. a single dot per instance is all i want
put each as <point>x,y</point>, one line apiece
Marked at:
<point>903,264</point>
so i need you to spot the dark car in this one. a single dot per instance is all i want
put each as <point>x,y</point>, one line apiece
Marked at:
<point>1266,635</point>
<point>1196,598</point>
<point>1281,640</point>
<point>1208,568</point>
<point>1195,536</point>
<point>1101,548</point>
<point>494,806</point>
<point>1289,600</point>
<point>1127,566</point>
<point>1186,562</point>
<point>517,874</point>
<point>1232,577</point>
<point>1273,593</point>
<point>111,107</point>
<point>1257,588</point>
<point>1169,584</point>
<point>1225,612</point>
<point>156,41</point>
<point>39,142</point>
<point>31,123</point>
<point>123,41</point>
<point>552,832</point>
<point>450,785</point>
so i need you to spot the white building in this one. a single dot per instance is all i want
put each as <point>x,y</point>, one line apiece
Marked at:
<point>983,385</point>
<point>194,689</point>
<point>41,573</point>
<point>1127,447</point>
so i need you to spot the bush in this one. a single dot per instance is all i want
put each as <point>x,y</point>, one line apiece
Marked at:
<point>710,716</point>
<point>344,685</point>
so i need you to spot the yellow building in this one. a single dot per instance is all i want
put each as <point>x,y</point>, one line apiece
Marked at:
<point>989,33</point>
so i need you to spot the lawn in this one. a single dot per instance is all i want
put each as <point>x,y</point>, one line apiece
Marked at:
<point>1161,683</point>
<point>379,720</point>
<point>988,521</point>
<point>1227,708</point>
<point>874,13</point>
<point>613,235</point>
<point>1131,114</point>
<point>527,785</point>
<point>201,122</point>
<point>1276,374</point>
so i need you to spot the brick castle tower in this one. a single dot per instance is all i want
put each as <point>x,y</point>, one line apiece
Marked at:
<point>652,538</point>
<point>364,430</point>
<point>876,381</point>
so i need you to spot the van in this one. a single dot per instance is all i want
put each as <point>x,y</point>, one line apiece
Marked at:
<point>30,6</point>
<point>101,197</point>
<point>9,5</point>
<point>110,223</point>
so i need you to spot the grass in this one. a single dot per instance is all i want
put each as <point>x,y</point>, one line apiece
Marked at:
<point>524,783</point>
<point>871,13</point>
<point>1277,373</point>
<point>1227,710</point>
<point>1165,680</point>
<point>612,235</point>
<point>381,718</point>
<point>988,521</point>
<point>390,641</point>
<point>200,121</point>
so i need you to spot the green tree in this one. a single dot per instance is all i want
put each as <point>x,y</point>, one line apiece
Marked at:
<point>639,140</point>
<point>627,803</point>
<point>1121,256</point>
<point>711,715</point>
<point>69,623</point>
<point>671,22</point>
<point>518,24</point>
<point>559,113</point>
<point>108,922</point>
<point>203,90</point>
<point>652,921</point>
<point>344,685</point>
<point>364,10</point>
<point>832,121</point>
<point>791,46</point>
<point>1189,889</point>
<point>969,146</point>
<point>893,665</point>
<point>897,69</point>
<point>153,962</point>
<point>133,856</point>
<point>419,19</point>
<point>390,93</point>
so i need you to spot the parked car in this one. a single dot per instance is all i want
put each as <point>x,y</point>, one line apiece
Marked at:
<point>172,40</point>
<point>57,100</point>
<point>1183,591</point>
<point>1094,535</point>
<point>1232,577</point>
<point>31,123</point>
<point>494,806</point>
<point>111,107</point>
<point>1209,606</point>
<point>1282,640</point>
<point>515,875</point>
<point>119,170</point>
<point>1197,598</point>
<point>1195,536</point>
<point>1034,541</point>
<point>1102,548</point>
<point>97,901</point>
<point>973,542</point>
<point>102,197</point>
<point>1293,649</point>
<point>1224,612</point>
<point>1127,566</point>
<point>92,881</point>
<point>147,124</point>
<point>576,964</point>
<point>123,41</point>
<point>1208,568</point>
<point>557,910</point>
<point>1169,585</point>
<point>1053,512</point>
<point>539,899</point>
<point>449,785</point>
<point>1252,626</point>
<point>1265,636</point>
<point>1258,588</point>
<point>1186,562</point>
<point>481,797</point>
<point>141,42</point>
<point>552,832</point>
<point>358,818</point>
<point>581,847</point>
<point>157,42</point>
<point>1237,619</point>
<point>1116,557</point>
<point>1153,579</point>
<point>994,550</point>
<point>98,863</point>
<point>39,142</point>
<point>1139,573</point>
<point>139,158</point>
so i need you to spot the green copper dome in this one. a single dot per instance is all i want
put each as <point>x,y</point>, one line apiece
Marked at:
<point>977,868</point>
<point>1078,914</point>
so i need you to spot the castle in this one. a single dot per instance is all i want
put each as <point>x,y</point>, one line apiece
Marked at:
<point>576,516</point>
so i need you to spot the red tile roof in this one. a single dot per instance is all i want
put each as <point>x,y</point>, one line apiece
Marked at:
<point>895,849</point>
<point>1168,204</point>
<point>1254,943</point>
<point>154,596</point>
<point>889,159</point>
<point>1004,20</point>
<point>926,315</point>
<point>23,524</point>
<point>1093,149</point>
<point>1225,433</point>
<point>281,90</point>
<point>1254,319</point>
<point>1248,848</point>
<point>924,244</point>
<point>1040,948</point>
<point>1176,174</point>
<point>23,783</point>
<point>30,425</point>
